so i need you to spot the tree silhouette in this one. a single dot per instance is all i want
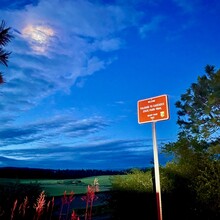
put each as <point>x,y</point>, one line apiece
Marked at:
<point>5,38</point>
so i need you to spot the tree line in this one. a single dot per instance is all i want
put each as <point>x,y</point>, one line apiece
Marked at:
<point>34,173</point>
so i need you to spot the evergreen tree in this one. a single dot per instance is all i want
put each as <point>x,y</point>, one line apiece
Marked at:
<point>199,118</point>
<point>199,107</point>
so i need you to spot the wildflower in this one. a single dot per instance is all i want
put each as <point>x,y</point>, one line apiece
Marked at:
<point>69,200</point>
<point>50,203</point>
<point>23,206</point>
<point>66,200</point>
<point>39,206</point>
<point>1,211</point>
<point>71,197</point>
<point>13,209</point>
<point>74,216</point>
<point>96,185</point>
<point>90,197</point>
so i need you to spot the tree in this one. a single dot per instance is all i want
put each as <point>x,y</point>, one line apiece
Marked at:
<point>198,118</point>
<point>199,107</point>
<point>196,162</point>
<point>5,38</point>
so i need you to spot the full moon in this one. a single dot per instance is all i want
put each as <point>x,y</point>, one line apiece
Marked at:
<point>38,37</point>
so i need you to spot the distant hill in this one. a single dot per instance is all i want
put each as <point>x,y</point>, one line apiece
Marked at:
<point>35,173</point>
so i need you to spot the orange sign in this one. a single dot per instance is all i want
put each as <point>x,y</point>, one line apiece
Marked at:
<point>153,109</point>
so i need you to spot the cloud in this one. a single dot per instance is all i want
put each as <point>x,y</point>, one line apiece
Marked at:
<point>50,130</point>
<point>186,5</point>
<point>51,48</point>
<point>105,154</point>
<point>38,37</point>
<point>9,5</point>
<point>110,44</point>
<point>153,25</point>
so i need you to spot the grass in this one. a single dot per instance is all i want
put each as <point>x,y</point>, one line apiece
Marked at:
<point>55,187</point>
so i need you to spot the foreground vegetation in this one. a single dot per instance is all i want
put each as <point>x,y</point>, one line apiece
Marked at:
<point>27,201</point>
<point>184,196</point>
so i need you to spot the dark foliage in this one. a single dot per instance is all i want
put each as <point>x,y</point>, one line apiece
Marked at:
<point>180,203</point>
<point>5,38</point>
<point>11,192</point>
<point>194,173</point>
<point>133,205</point>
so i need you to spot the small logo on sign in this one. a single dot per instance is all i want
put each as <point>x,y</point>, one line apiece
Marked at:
<point>162,114</point>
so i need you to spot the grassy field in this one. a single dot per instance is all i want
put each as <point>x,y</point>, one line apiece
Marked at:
<point>54,187</point>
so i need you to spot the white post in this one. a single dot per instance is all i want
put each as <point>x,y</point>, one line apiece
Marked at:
<point>156,172</point>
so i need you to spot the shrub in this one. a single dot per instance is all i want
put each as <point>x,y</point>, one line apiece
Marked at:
<point>136,180</point>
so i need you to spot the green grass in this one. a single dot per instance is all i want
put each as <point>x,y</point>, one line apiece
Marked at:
<point>56,187</point>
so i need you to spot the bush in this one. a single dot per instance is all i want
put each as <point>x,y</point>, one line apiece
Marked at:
<point>207,188</point>
<point>194,185</point>
<point>136,180</point>
<point>132,196</point>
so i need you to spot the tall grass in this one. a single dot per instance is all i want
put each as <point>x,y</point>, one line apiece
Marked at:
<point>90,197</point>
<point>42,208</point>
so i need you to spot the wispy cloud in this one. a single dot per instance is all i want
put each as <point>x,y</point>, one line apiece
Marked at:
<point>14,5</point>
<point>50,130</point>
<point>186,5</point>
<point>153,25</point>
<point>111,153</point>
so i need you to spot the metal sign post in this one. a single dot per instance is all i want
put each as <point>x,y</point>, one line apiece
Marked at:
<point>157,173</point>
<point>152,110</point>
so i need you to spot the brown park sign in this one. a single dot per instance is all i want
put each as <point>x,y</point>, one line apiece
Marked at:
<point>153,109</point>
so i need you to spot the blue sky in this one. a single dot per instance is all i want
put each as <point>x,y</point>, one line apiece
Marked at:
<point>78,68</point>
